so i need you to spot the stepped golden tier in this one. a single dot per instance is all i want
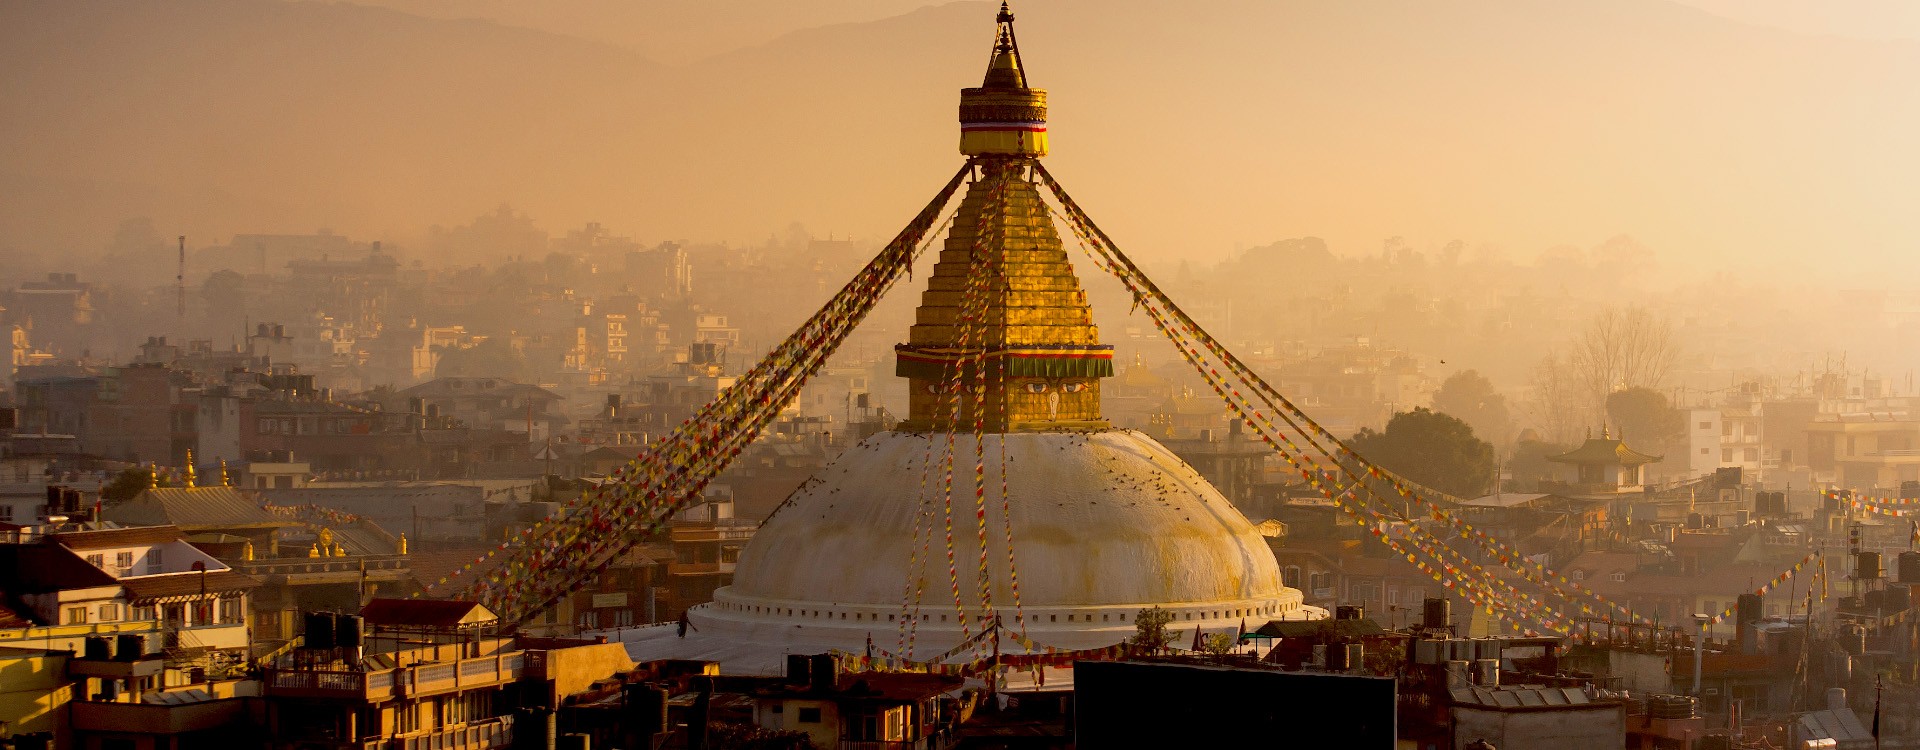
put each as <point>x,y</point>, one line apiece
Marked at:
<point>1005,365</point>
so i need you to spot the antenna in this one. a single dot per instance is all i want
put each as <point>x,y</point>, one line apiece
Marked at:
<point>180,278</point>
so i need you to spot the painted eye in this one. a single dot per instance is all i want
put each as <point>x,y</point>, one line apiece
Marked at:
<point>1073,387</point>
<point>1036,387</point>
<point>933,388</point>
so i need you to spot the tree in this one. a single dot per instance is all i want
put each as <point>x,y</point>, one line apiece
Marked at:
<point>1622,349</point>
<point>1434,449</point>
<point>1150,630</point>
<point>1645,415</point>
<point>1556,403</point>
<point>128,484</point>
<point>1470,396</point>
<point>1529,465</point>
<point>1217,644</point>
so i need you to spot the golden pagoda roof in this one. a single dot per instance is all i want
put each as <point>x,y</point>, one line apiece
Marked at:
<point>1003,296</point>
<point>1604,450</point>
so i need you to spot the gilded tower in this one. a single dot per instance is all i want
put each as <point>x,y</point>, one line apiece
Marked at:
<point>1004,335</point>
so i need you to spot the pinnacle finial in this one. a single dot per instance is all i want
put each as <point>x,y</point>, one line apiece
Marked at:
<point>190,474</point>
<point>1005,70</point>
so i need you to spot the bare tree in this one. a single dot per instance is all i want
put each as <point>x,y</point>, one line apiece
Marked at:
<point>1556,400</point>
<point>1621,349</point>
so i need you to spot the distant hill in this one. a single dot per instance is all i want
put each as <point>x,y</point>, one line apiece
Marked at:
<point>1186,127</point>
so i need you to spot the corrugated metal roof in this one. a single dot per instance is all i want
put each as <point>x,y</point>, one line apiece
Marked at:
<point>1841,725</point>
<point>192,508</point>
<point>150,588</point>
<point>1521,697</point>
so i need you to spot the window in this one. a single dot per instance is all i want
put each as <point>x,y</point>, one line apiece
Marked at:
<point>109,612</point>
<point>1706,425</point>
<point>1578,575</point>
<point>233,610</point>
<point>155,561</point>
<point>1618,576</point>
<point>143,613</point>
<point>76,615</point>
<point>809,715</point>
<point>97,561</point>
<point>1291,577</point>
<point>6,513</point>
<point>123,559</point>
<point>1704,451</point>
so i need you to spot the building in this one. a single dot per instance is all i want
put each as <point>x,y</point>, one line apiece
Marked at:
<point>861,709</point>
<point>1115,520</point>
<point>1604,465</point>
<point>146,582</point>
<point>1170,703</point>
<point>423,673</point>
<point>1865,449</point>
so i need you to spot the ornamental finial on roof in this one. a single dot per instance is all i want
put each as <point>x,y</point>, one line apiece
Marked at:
<point>1005,71</point>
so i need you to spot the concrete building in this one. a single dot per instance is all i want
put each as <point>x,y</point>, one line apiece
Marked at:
<point>425,673</point>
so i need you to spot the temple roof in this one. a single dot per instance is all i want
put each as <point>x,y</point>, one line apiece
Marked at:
<point>1602,451</point>
<point>193,508</point>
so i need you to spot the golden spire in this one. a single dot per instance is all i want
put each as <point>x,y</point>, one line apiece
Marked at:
<point>1003,296</point>
<point>225,479</point>
<point>190,474</point>
<point>1004,116</point>
<point>153,476</point>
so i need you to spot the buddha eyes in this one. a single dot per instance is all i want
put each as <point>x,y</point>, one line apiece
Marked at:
<point>1070,386</point>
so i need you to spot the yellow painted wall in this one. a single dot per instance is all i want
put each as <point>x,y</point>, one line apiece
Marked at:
<point>574,669</point>
<point>34,693</point>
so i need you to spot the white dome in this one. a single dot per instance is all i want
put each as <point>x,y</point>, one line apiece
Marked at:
<point>1104,523</point>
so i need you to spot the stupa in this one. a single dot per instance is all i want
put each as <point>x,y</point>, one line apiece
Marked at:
<point>1005,364</point>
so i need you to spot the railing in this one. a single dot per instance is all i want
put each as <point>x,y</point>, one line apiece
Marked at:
<point>492,733</point>
<point>314,679</point>
<point>877,745</point>
<point>296,566</point>
<point>423,679</point>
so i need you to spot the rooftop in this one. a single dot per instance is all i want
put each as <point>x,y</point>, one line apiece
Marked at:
<point>433,613</point>
<point>216,507</point>
<point>1604,450</point>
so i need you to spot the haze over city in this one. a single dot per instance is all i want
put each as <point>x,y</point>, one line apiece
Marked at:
<point>659,374</point>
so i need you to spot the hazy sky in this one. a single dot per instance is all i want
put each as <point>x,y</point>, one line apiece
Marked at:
<point>677,30</point>
<point>1188,128</point>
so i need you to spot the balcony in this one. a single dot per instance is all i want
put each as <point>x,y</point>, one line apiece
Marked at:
<point>414,681</point>
<point>492,733</point>
<point>150,718</point>
<point>300,571</point>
